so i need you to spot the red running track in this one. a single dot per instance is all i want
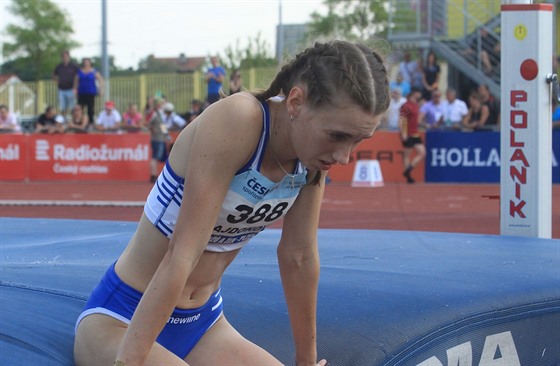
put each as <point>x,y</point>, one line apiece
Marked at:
<point>421,207</point>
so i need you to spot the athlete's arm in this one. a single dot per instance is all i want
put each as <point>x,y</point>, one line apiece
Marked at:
<point>403,123</point>
<point>298,259</point>
<point>225,137</point>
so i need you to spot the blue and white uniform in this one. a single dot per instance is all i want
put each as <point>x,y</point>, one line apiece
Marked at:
<point>251,204</point>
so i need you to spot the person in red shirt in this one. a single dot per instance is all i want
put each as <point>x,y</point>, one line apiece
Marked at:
<point>410,136</point>
<point>132,120</point>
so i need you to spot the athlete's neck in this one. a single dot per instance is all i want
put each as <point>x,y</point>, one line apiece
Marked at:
<point>280,133</point>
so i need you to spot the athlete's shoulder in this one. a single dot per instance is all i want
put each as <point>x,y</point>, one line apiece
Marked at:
<point>240,110</point>
<point>243,103</point>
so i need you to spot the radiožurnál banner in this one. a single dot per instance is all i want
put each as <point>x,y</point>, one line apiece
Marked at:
<point>89,157</point>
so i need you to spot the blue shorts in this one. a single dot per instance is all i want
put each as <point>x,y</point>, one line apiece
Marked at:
<point>184,328</point>
<point>159,151</point>
<point>65,100</point>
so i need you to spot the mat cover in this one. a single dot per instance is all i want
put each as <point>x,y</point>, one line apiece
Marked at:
<point>385,297</point>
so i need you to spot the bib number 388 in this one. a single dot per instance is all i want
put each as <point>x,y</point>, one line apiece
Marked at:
<point>265,212</point>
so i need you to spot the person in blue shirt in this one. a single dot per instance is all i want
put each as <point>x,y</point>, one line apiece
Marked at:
<point>249,160</point>
<point>400,83</point>
<point>90,84</point>
<point>214,78</point>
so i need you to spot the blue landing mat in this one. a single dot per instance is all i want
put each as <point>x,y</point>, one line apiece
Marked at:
<point>385,297</point>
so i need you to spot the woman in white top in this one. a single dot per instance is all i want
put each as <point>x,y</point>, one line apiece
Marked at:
<point>246,161</point>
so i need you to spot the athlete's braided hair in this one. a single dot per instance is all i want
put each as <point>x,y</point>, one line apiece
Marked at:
<point>333,72</point>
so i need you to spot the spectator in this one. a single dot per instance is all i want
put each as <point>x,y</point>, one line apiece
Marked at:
<point>90,84</point>
<point>408,68</point>
<point>454,110</point>
<point>64,76</point>
<point>235,82</point>
<point>410,136</point>
<point>50,122</point>
<point>78,122</point>
<point>214,78</point>
<point>476,118</point>
<point>430,76</point>
<point>431,112</point>
<point>8,121</point>
<point>109,120</point>
<point>149,108</point>
<point>555,114</point>
<point>159,102</point>
<point>158,138</point>
<point>393,113</point>
<point>195,111</point>
<point>493,121</point>
<point>401,83</point>
<point>171,120</point>
<point>418,74</point>
<point>132,120</point>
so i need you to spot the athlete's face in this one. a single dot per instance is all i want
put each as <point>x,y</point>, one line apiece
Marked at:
<point>327,136</point>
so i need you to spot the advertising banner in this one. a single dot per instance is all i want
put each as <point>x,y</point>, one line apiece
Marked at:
<point>13,156</point>
<point>89,157</point>
<point>458,157</point>
<point>385,147</point>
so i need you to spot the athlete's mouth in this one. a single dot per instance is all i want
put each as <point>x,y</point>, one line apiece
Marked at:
<point>325,165</point>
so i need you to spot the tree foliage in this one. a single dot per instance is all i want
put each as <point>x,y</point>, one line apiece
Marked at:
<point>256,53</point>
<point>45,31</point>
<point>359,20</point>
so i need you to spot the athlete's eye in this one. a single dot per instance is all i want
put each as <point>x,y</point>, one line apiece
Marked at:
<point>337,137</point>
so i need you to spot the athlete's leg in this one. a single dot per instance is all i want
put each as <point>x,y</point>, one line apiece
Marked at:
<point>406,163</point>
<point>420,154</point>
<point>98,339</point>
<point>223,345</point>
<point>406,156</point>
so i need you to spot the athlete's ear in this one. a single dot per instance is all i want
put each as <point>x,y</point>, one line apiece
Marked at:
<point>295,100</point>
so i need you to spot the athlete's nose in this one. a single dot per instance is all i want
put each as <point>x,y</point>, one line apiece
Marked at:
<point>342,155</point>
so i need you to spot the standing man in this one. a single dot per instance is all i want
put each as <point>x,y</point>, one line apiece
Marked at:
<point>214,79</point>
<point>64,76</point>
<point>410,136</point>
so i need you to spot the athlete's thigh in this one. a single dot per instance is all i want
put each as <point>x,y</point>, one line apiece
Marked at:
<point>223,345</point>
<point>420,148</point>
<point>97,342</point>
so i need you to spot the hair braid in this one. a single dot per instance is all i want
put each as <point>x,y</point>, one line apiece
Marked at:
<point>334,73</point>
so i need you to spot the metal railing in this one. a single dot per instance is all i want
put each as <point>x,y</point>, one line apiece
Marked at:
<point>452,28</point>
<point>453,19</point>
<point>28,99</point>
